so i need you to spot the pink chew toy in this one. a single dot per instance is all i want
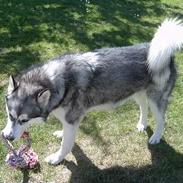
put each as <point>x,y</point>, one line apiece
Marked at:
<point>24,157</point>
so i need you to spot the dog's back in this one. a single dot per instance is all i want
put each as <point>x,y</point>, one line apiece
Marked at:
<point>116,74</point>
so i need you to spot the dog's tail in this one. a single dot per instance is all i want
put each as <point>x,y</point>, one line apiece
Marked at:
<point>167,39</point>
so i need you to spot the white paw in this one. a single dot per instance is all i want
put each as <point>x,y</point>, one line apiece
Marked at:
<point>58,134</point>
<point>141,127</point>
<point>54,159</point>
<point>155,139</point>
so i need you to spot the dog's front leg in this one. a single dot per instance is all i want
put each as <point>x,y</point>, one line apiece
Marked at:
<point>69,134</point>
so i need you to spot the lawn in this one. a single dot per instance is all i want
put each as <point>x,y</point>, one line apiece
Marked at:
<point>33,31</point>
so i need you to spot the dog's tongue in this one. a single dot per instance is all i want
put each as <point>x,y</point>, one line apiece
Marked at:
<point>25,135</point>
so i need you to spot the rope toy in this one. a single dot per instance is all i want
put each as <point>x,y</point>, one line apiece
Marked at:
<point>24,157</point>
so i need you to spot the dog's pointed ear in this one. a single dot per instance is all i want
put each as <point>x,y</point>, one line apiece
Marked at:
<point>12,84</point>
<point>43,97</point>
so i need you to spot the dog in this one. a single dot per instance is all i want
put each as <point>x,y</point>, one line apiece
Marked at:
<point>71,85</point>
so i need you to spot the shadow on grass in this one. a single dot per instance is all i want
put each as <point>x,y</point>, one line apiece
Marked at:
<point>26,176</point>
<point>28,25</point>
<point>167,166</point>
<point>26,22</point>
<point>15,61</point>
<point>90,128</point>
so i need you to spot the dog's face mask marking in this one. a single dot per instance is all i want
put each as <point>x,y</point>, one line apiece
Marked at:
<point>24,106</point>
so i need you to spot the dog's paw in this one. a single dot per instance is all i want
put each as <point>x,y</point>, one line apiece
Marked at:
<point>141,127</point>
<point>155,139</point>
<point>54,159</point>
<point>58,134</point>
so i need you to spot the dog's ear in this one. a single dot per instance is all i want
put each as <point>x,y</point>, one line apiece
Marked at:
<point>43,97</point>
<point>12,85</point>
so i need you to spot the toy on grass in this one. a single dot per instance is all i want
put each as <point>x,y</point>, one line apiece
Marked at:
<point>24,157</point>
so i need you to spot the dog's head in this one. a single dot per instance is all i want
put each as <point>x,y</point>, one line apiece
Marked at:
<point>26,103</point>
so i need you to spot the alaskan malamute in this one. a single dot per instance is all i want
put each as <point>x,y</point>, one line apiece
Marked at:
<point>71,85</point>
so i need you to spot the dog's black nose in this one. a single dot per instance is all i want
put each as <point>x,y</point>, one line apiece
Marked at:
<point>10,137</point>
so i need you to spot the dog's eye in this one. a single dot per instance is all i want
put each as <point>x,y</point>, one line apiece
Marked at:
<point>23,121</point>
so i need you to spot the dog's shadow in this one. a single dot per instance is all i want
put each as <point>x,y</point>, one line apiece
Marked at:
<point>167,166</point>
<point>26,173</point>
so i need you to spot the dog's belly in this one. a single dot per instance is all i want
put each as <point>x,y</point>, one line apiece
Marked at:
<point>102,107</point>
<point>108,106</point>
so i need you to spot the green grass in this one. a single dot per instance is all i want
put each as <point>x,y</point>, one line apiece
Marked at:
<point>33,31</point>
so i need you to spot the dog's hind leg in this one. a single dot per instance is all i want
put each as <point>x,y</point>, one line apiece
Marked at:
<point>159,114</point>
<point>141,100</point>
<point>158,101</point>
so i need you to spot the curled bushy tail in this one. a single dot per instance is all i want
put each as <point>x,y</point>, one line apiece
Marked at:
<point>167,40</point>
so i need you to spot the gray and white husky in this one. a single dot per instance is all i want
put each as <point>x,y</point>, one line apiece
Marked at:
<point>71,85</point>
